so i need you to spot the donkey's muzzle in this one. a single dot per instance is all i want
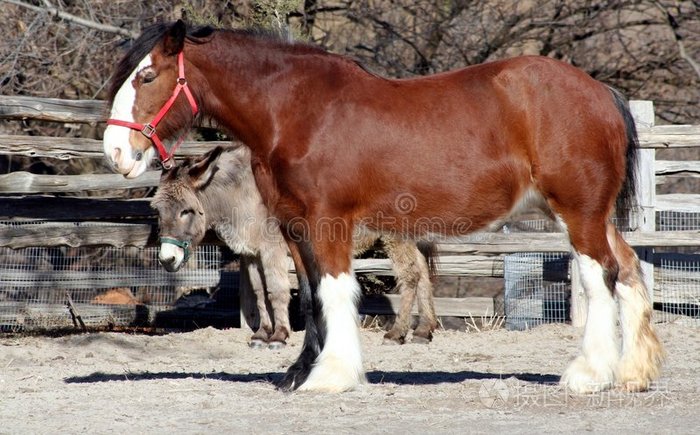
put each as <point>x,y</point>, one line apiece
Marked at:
<point>170,264</point>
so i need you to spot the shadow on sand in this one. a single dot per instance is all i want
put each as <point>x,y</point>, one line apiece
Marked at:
<point>374,377</point>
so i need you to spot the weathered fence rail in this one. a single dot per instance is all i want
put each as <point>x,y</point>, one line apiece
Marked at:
<point>481,254</point>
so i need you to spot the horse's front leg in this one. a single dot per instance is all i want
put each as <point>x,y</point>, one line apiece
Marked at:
<point>330,359</point>
<point>339,365</point>
<point>313,338</point>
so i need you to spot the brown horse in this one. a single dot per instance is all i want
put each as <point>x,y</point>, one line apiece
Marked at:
<point>335,147</point>
<point>217,191</point>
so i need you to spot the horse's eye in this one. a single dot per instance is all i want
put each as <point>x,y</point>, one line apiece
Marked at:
<point>149,77</point>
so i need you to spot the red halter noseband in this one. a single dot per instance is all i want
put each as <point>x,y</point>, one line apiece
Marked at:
<point>149,130</point>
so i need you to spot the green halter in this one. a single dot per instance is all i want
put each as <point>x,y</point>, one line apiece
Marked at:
<point>184,245</point>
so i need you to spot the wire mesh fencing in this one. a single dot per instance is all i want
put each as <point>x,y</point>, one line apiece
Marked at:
<point>677,289</point>
<point>668,220</point>
<point>537,289</point>
<point>47,288</point>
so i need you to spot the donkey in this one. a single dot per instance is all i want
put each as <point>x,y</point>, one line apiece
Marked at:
<point>218,191</point>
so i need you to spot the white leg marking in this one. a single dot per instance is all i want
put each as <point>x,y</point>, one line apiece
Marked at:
<point>631,309</point>
<point>594,369</point>
<point>642,353</point>
<point>339,365</point>
<point>116,138</point>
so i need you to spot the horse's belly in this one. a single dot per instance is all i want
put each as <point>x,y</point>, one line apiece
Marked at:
<point>435,219</point>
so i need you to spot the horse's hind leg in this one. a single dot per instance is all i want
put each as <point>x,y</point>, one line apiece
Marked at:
<point>642,352</point>
<point>594,369</point>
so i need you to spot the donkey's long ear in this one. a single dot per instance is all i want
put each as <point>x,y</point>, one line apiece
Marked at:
<point>202,171</point>
<point>175,38</point>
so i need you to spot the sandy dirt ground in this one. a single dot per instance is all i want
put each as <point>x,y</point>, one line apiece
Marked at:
<point>210,381</point>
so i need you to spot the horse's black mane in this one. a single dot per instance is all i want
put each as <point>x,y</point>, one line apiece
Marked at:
<point>153,34</point>
<point>143,45</point>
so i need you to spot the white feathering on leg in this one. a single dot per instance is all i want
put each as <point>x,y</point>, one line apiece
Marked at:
<point>594,369</point>
<point>339,365</point>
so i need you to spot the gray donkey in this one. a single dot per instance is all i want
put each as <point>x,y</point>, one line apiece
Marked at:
<point>217,191</point>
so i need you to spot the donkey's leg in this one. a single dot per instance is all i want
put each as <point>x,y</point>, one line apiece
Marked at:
<point>642,353</point>
<point>274,261</point>
<point>427,320</point>
<point>339,365</point>
<point>594,369</point>
<point>406,280</point>
<point>398,331</point>
<point>412,274</point>
<point>260,337</point>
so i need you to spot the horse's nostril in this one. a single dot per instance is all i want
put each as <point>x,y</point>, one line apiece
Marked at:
<point>116,153</point>
<point>138,156</point>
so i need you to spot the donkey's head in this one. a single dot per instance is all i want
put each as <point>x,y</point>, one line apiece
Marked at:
<point>182,216</point>
<point>150,100</point>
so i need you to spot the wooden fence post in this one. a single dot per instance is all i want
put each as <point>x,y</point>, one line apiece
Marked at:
<point>643,215</point>
<point>579,301</point>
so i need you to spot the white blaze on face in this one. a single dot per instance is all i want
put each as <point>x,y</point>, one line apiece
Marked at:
<point>117,147</point>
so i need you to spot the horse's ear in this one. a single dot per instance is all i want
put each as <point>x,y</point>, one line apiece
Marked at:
<point>202,171</point>
<point>175,38</point>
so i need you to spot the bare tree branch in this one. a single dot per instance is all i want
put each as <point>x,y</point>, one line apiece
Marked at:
<point>679,39</point>
<point>69,17</point>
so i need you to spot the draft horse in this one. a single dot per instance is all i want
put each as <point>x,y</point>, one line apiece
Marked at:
<point>336,148</point>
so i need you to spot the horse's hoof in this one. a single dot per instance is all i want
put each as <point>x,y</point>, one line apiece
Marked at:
<point>295,376</point>
<point>276,345</point>
<point>583,378</point>
<point>256,343</point>
<point>299,371</point>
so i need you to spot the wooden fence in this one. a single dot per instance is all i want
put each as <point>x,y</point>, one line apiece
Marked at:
<point>31,196</point>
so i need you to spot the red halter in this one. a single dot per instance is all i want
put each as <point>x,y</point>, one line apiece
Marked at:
<point>149,130</point>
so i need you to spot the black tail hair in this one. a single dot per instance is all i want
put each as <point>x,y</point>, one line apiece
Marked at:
<point>626,199</point>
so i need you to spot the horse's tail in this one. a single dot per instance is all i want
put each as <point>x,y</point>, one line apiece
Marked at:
<point>626,198</point>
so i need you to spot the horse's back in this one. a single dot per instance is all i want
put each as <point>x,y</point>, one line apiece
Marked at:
<point>466,145</point>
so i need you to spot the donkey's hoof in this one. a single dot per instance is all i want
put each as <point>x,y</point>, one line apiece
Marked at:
<point>256,343</point>
<point>392,338</point>
<point>276,345</point>
<point>419,339</point>
<point>392,342</point>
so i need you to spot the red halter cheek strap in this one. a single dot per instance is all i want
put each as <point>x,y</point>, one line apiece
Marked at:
<point>149,129</point>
